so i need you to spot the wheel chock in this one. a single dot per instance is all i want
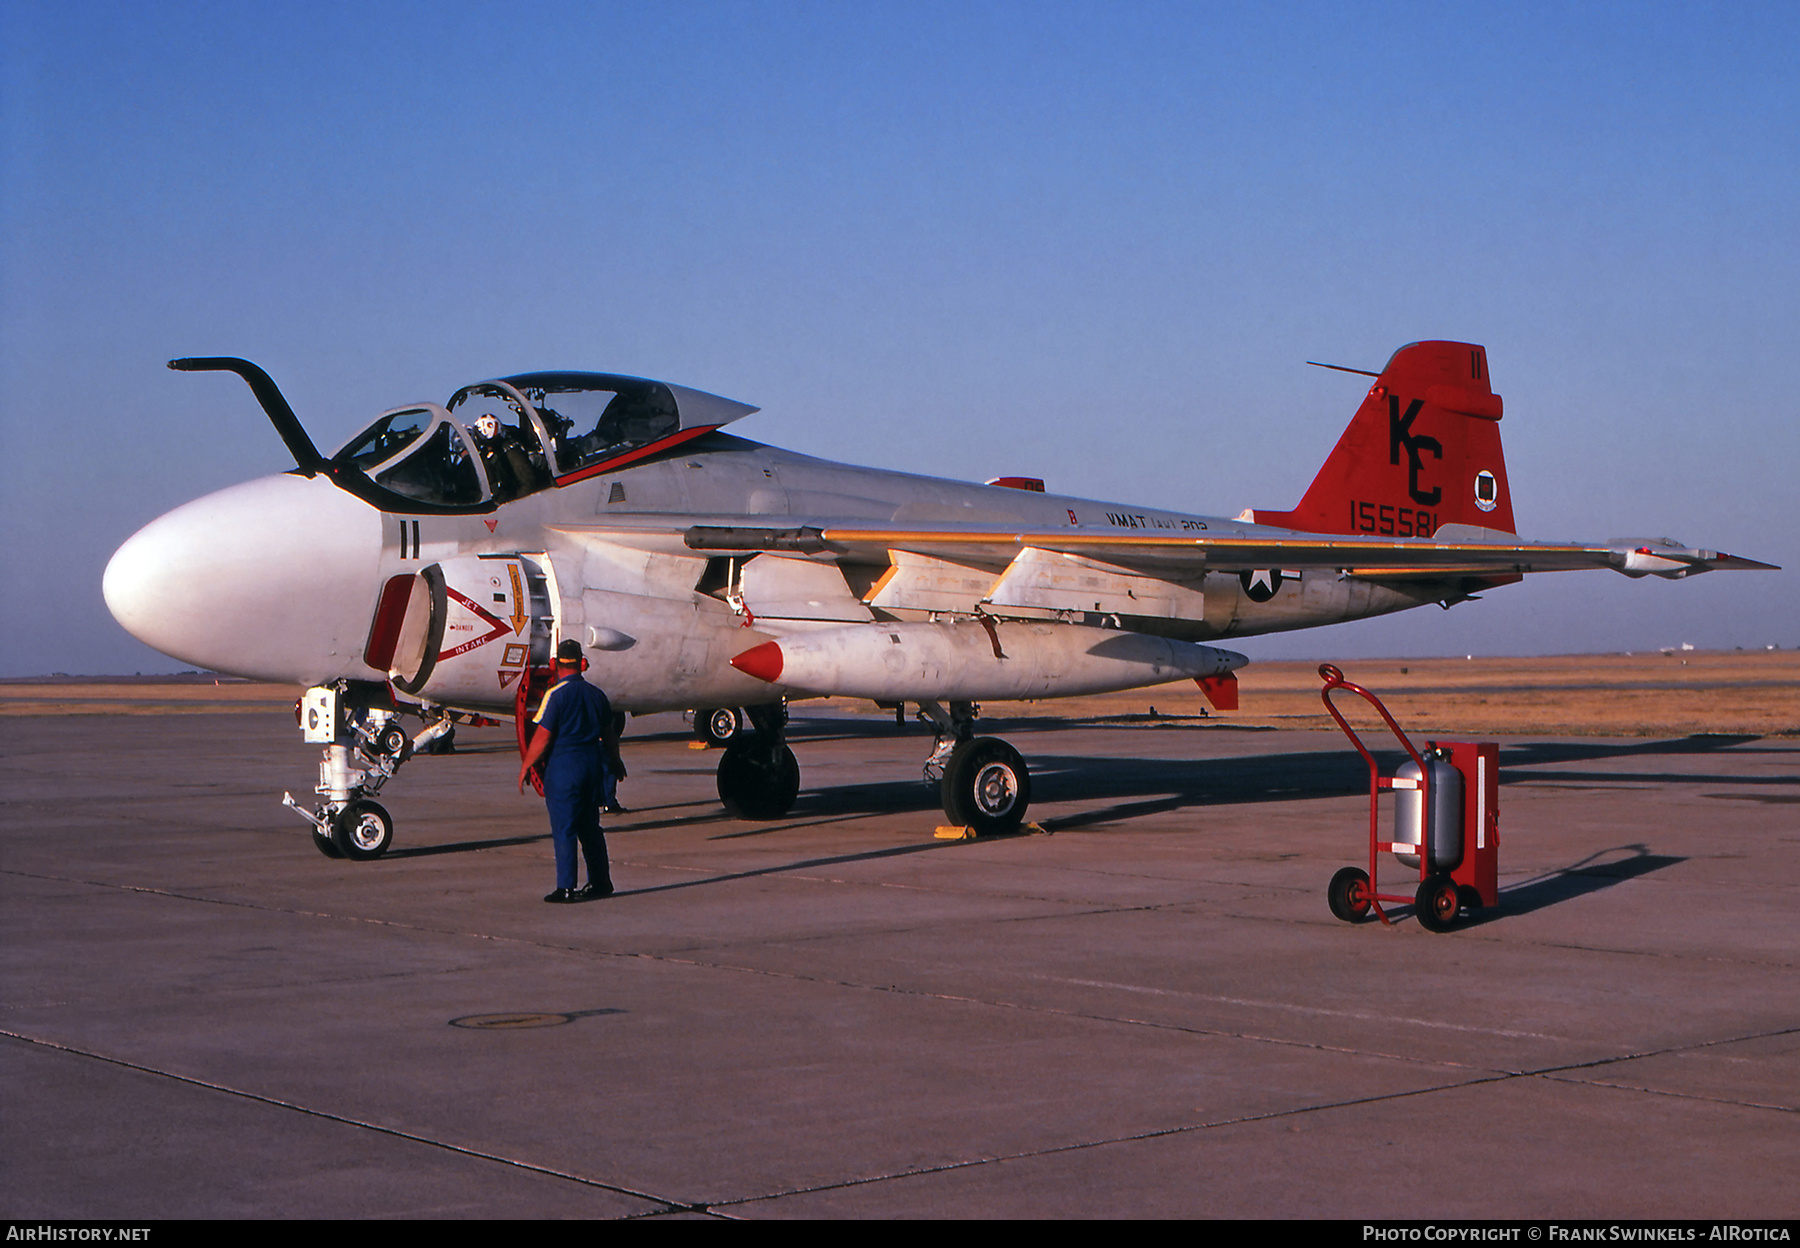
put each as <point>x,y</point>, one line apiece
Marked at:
<point>698,745</point>
<point>958,832</point>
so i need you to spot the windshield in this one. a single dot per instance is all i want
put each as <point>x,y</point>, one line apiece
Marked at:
<point>439,471</point>
<point>420,453</point>
<point>387,437</point>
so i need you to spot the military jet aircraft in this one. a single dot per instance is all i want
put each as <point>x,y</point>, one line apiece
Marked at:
<point>431,564</point>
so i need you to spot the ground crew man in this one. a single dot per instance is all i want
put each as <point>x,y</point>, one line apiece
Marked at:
<point>576,738</point>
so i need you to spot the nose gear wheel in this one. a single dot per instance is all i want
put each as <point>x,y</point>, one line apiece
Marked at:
<point>362,830</point>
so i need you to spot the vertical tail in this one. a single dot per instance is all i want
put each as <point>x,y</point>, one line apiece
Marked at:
<point>1421,452</point>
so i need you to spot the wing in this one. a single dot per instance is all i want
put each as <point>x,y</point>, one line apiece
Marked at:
<point>1457,551</point>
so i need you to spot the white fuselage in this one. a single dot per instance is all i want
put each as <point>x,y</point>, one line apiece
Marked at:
<point>279,579</point>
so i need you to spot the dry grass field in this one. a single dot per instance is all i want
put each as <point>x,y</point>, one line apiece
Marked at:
<point>1612,695</point>
<point>1609,695</point>
<point>1606,695</point>
<point>140,695</point>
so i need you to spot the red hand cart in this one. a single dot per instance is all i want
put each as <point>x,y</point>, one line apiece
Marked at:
<point>1446,817</point>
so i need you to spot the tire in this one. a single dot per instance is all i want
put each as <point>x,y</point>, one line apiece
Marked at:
<point>1348,895</point>
<point>757,783</point>
<point>325,845</point>
<point>719,726</point>
<point>362,830</point>
<point>1471,897</point>
<point>986,787</point>
<point>1437,904</point>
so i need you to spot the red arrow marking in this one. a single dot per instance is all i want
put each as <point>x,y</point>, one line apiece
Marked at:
<point>496,628</point>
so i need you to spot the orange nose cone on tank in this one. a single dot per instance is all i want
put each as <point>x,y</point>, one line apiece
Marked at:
<point>763,662</point>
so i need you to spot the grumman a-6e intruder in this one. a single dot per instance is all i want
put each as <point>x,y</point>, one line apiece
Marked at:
<point>431,565</point>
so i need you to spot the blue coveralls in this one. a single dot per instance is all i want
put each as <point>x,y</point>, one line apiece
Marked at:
<point>574,712</point>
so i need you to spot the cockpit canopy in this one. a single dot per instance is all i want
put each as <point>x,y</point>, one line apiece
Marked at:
<point>500,440</point>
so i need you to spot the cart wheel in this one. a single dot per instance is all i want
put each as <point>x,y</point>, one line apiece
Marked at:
<point>1348,895</point>
<point>1470,897</point>
<point>1437,903</point>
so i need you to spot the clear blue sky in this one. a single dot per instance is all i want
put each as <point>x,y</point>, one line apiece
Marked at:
<point>1092,243</point>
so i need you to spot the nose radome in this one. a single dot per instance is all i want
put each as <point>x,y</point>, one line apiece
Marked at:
<point>273,579</point>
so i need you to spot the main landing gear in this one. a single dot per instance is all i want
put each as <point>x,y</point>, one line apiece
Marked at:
<point>348,823</point>
<point>759,777</point>
<point>983,782</point>
<point>719,725</point>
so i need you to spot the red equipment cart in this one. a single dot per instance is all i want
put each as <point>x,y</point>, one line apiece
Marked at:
<point>1446,822</point>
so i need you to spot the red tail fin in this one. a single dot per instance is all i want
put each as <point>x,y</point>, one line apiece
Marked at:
<point>1421,452</point>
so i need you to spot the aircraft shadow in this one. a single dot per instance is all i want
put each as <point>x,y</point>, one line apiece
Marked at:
<point>465,847</point>
<point>1119,789</point>
<point>804,864</point>
<point>1579,751</point>
<point>1161,785</point>
<point>845,802</point>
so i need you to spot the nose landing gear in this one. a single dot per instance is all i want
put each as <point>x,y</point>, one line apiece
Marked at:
<point>348,823</point>
<point>362,830</point>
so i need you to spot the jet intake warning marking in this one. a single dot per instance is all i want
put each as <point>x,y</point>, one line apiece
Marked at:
<point>496,627</point>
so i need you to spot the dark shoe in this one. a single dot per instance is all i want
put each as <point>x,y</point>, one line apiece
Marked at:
<point>593,892</point>
<point>614,809</point>
<point>563,896</point>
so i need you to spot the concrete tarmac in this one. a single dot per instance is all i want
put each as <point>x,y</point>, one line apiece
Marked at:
<point>1148,1012</point>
